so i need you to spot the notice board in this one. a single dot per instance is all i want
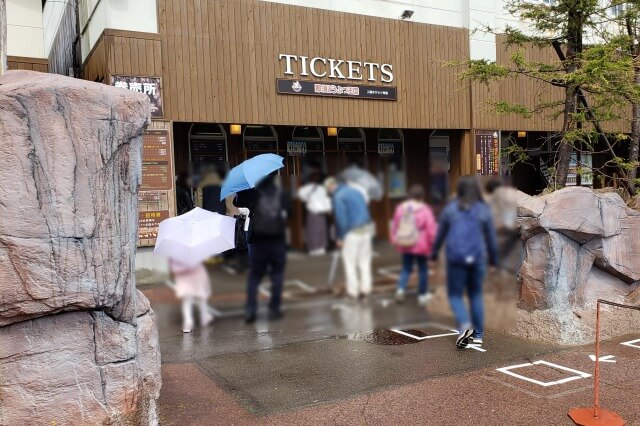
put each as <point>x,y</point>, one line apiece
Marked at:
<point>487,152</point>
<point>156,201</point>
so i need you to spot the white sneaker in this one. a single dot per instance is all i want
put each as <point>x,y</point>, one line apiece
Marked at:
<point>463,338</point>
<point>424,298</point>
<point>399,295</point>
<point>186,330</point>
<point>476,340</point>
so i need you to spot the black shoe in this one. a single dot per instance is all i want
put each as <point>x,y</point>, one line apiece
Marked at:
<point>463,339</point>
<point>250,319</point>
<point>275,315</point>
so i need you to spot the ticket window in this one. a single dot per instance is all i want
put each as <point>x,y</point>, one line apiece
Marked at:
<point>259,140</point>
<point>208,161</point>
<point>439,165</point>
<point>207,149</point>
<point>392,163</point>
<point>351,145</point>
<point>307,153</point>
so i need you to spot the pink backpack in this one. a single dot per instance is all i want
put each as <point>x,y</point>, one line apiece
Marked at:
<point>407,233</point>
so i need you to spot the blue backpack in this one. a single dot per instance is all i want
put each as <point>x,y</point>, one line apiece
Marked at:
<point>466,243</point>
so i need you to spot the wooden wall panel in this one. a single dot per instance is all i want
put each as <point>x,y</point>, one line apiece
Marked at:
<point>519,90</point>
<point>124,52</point>
<point>220,62</point>
<point>31,64</point>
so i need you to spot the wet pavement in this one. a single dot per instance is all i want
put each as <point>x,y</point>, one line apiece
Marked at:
<point>371,362</point>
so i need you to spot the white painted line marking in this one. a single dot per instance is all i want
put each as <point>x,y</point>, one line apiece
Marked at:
<point>476,346</point>
<point>631,343</point>
<point>404,333</point>
<point>606,358</point>
<point>295,282</point>
<point>578,374</point>
<point>389,271</point>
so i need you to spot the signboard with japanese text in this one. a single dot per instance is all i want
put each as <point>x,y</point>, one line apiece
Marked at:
<point>208,151</point>
<point>487,152</point>
<point>148,223</point>
<point>386,148</point>
<point>156,161</point>
<point>296,148</point>
<point>339,90</point>
<point>150,86</point>
<point>156,199</point>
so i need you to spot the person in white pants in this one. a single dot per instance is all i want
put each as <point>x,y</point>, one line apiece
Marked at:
<point>193,288</point>
<point>354,234</point>
<point>356,257</point>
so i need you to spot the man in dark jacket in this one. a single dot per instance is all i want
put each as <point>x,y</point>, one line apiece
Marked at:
<point>269,207</point>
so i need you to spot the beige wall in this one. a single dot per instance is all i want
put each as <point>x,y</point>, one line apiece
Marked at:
<point>25,36</point>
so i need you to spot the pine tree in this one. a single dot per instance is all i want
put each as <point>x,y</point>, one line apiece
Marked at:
<point>597,68</point>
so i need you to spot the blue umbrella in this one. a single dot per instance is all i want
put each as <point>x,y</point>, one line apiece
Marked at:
<point>247,174</point>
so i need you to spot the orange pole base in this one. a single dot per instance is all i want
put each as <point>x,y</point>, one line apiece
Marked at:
<point>585,417</point>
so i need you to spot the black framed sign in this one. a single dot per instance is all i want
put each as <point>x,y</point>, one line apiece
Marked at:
<point>150,86</point>
<point>340,90</point>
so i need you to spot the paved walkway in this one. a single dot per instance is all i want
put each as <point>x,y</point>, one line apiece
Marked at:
<point>474,393</point>
<point>333,361</point>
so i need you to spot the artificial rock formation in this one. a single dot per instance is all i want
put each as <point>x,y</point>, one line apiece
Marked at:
<point>78,342</point>
<point>580,246</point>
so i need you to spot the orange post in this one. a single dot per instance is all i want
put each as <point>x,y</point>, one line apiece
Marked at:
<point>596,416</point>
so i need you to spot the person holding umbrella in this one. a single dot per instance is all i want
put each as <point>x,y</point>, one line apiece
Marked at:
<point>254,183</point>
<point>188,240</point>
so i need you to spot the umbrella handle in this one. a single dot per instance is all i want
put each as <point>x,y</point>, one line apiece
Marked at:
<point>245,212</point>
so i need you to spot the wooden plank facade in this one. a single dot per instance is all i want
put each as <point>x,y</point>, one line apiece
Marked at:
<point>124,52</point>
<point>31,64</point>
<point>220,63</point>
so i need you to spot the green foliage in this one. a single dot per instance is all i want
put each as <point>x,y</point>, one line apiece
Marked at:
<point>600,60</point>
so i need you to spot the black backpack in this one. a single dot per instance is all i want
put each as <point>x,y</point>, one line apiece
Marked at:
<point>269,218</point>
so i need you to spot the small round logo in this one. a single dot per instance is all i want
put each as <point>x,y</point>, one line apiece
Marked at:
<point>296,86</point>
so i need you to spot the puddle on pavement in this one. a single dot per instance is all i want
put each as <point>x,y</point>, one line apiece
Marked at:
<point>389,337</point>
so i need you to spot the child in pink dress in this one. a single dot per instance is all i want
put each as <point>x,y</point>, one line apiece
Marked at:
<point>192,287</point>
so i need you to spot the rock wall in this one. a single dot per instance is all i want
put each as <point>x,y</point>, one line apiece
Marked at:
<point>78,342</point>
<point>580,246</point>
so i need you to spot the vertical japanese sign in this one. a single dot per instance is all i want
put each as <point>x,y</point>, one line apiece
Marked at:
<point>487,152</point>
<point>150,86</point>
<point>157,185</point>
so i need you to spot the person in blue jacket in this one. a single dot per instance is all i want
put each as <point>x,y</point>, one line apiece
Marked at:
<point>354,235</point>
<point>466,228</point>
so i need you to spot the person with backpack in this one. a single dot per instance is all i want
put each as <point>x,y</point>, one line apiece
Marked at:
<point>269,207</point>
<point>413,232</point>
<point>466,228</point>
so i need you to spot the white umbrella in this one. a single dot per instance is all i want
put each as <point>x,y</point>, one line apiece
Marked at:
<point>365,181</point>
<point>195,236</point>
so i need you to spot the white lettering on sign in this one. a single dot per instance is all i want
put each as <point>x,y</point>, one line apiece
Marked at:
<point>336,68</point>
